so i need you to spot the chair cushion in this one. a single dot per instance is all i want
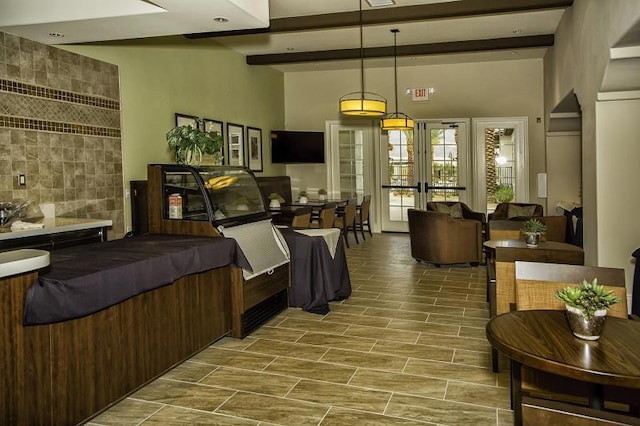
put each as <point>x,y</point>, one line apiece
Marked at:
<point>518,211</point>
<point>454,210</point>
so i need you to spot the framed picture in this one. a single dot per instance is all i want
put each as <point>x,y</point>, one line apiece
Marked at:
<point>186,120</point>
<point>235,143</point>
<point>254,148</point>
<point>215,126</point>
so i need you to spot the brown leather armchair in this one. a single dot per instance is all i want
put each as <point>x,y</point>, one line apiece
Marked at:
<point>439,239</point>
<point>510,229</point>
<point>467,213</point>
<point>502,211</point>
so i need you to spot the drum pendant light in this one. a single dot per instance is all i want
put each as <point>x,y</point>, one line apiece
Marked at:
<point>363,104</point>
<point>396,120</point>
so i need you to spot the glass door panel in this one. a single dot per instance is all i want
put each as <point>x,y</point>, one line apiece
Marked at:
<point>399,192</point>
<point>444,164</point>
<point>423,165</point>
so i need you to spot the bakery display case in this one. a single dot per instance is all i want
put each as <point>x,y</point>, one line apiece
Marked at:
<point>225,201</point>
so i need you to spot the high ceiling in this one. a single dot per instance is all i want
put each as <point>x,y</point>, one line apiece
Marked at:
<point>298,35</point>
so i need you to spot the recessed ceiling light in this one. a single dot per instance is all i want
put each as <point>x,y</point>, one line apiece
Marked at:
<point>380,3</point>
<point>221,19</point>
<point>57,35</point>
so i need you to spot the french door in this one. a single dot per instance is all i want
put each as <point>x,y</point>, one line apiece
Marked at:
<point>429,164</point>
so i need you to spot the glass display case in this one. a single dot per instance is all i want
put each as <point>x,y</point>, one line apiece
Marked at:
<point>225,201</point>
<point>223,195</point>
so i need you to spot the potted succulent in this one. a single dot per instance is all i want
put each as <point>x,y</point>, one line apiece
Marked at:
<point>190,143</point>
<point>532,229</point>
<point>276,199</point>
<point>302,197</point>
<point>587,306</point>
<point>322,194</point>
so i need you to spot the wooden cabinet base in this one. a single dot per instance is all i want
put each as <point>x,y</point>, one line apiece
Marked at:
<point>256,300</point>
<point>64,373</point>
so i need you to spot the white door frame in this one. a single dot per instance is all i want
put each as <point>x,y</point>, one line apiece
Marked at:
<point>521,130</point>
<point>371,142</point>
<point>422,149</point>
<point>464,151</point>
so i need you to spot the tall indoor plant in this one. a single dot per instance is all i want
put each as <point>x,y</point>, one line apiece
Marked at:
<point>190,143</point>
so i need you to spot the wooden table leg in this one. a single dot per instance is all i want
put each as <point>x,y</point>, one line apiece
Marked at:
<point>516,392</point>
<point>596,396</point>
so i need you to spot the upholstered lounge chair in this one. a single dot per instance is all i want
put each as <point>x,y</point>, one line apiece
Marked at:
<point>440,239</point>
<point>506,211</point>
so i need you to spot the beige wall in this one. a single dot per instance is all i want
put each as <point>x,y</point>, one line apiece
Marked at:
<point>578,62</point>
<point>162,76</point>
<point>491,89</point>
<point>618,154</point>
<point>563,170</point>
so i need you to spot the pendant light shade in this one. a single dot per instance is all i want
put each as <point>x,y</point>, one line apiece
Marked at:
<point>362,104</point>
<point>396,120</point>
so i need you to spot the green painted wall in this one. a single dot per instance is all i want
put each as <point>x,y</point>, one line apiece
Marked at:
<point>162,76</point>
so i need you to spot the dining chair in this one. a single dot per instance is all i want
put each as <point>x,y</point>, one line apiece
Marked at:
<point>326,217</point>
<point>346,220</point>
<point>536,285</point>
<point>362,216</point>
<point>502,297</point>
<point>301,217</point>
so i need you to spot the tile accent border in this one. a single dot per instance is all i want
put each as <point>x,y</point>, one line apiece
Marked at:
<point>52,126</point>
<point>60,95</point>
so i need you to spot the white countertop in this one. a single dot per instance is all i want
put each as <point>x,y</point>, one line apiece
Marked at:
<point>53,225</point>
<point>24,260</point>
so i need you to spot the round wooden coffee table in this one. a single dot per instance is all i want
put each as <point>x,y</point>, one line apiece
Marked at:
<point>542,340</point>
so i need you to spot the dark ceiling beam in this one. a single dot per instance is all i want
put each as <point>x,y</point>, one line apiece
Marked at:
<point>387,15</point>
<point>407,50</point>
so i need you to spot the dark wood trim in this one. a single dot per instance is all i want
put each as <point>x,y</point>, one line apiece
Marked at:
<point>457,9</point>
<point>155,205</point>
<point>525,42</point>
<point>64,373</point>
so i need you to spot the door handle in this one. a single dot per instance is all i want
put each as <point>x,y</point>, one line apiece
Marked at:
<point>427,187</point>
<point>416,187</point>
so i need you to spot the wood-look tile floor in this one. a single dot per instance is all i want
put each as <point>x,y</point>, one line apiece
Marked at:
<point>407,348</point>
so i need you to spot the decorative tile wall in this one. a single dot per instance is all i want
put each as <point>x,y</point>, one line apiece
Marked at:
<point>60,126</point>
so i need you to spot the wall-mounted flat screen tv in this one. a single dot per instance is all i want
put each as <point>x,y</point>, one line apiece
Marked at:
<point>292,147</point>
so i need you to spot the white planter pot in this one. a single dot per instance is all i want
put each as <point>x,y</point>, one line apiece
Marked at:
<point>303,200</point>
<point>274,204</point>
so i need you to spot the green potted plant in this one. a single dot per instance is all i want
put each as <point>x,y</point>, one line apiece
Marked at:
<point>190,143</point>
<point>587,305</point>
<point>532,228</point>
<point>276,199</point>
<point>302,197</point>
<point>322,194</point>
<point>503,193</point>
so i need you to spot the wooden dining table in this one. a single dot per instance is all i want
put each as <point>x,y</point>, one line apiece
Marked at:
<point>542,340</point>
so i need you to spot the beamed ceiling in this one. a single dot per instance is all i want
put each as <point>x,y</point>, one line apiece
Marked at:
<point>298,35</point>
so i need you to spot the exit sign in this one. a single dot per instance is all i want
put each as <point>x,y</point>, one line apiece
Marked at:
<point>420,94</point>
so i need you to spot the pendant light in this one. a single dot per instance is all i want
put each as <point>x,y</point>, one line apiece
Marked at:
<point>396,120</point>
<point>363,104</point>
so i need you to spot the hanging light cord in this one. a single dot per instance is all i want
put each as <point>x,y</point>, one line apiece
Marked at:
<point>361,53</point>
<point>395,67</point>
